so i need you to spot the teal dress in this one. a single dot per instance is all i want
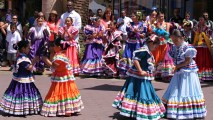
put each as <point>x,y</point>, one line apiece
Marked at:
<point>137,97</point>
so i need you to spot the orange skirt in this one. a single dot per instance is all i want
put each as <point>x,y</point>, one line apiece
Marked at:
<point>159,53</point>
<point>63,98</point>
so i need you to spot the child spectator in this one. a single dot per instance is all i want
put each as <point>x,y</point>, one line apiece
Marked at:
<point>13,37</point>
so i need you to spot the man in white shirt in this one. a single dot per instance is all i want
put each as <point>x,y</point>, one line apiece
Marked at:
<point>122,23</point>
<point>71,13</point>
<point>74,15</point>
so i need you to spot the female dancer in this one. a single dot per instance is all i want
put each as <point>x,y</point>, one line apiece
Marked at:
<point>63,97</point>
<point>164,62</point>
<point>184,97</point>
<point>137,98</point>
<point>22,97</point>
<point>136,32</point>
<point>111,51</point>
<point>91,62</point>
<point>39,37</point>
<point>69,32</point>
<point>203,46</point>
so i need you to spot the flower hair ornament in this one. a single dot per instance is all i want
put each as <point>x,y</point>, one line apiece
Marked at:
<point>139,14</point>
<point>64,43</point>
<point>94,18</point>
<point>152,37</point>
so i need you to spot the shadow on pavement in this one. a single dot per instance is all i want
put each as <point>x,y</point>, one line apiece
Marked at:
<point>72,115</point>
<point>97,77</point>
<point>206,84</point>
<point>4,114</point>
<point>107,87</point>
<point>5,70</point>
<point>117,116</point>
<point>10,115</point>
<point>163,81</point>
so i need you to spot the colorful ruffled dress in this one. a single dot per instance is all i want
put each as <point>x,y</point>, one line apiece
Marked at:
<point>133,43</point>
<point>72,52</point>
<point>110,55</point>
<point>164,63</point>
<point>137,98</point>
<point>91,62</point>
<point>203,46</point>
<point>184,98</point>
<point>63,96</point>
<point>39,37</point>
<point>22,97</point>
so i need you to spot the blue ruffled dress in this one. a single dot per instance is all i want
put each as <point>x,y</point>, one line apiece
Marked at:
<point>184,97</point>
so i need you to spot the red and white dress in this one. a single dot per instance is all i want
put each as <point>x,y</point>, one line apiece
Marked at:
<point>111,52</point>
<point>72,52</point>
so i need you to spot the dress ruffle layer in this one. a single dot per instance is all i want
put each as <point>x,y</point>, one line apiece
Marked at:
<point>142,105</point>
<point>21,99</point>
<point>63,98</point>
<point>184,97</point>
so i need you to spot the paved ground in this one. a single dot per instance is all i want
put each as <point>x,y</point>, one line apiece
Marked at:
<point>97,95</point>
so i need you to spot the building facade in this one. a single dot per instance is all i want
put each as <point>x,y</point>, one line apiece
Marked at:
<point>195,7</point>
<point>26,8</point>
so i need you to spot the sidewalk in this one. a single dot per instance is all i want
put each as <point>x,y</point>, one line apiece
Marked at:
<point>97,95</point>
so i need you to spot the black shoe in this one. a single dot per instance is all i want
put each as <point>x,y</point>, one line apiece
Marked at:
<point>11,68</point>
<point>37,73</point>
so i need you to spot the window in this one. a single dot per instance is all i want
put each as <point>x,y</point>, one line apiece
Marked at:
<point>144,6</point>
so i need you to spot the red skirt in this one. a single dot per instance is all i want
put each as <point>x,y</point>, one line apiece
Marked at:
<point>204,63</point>
<point>72,54</point>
